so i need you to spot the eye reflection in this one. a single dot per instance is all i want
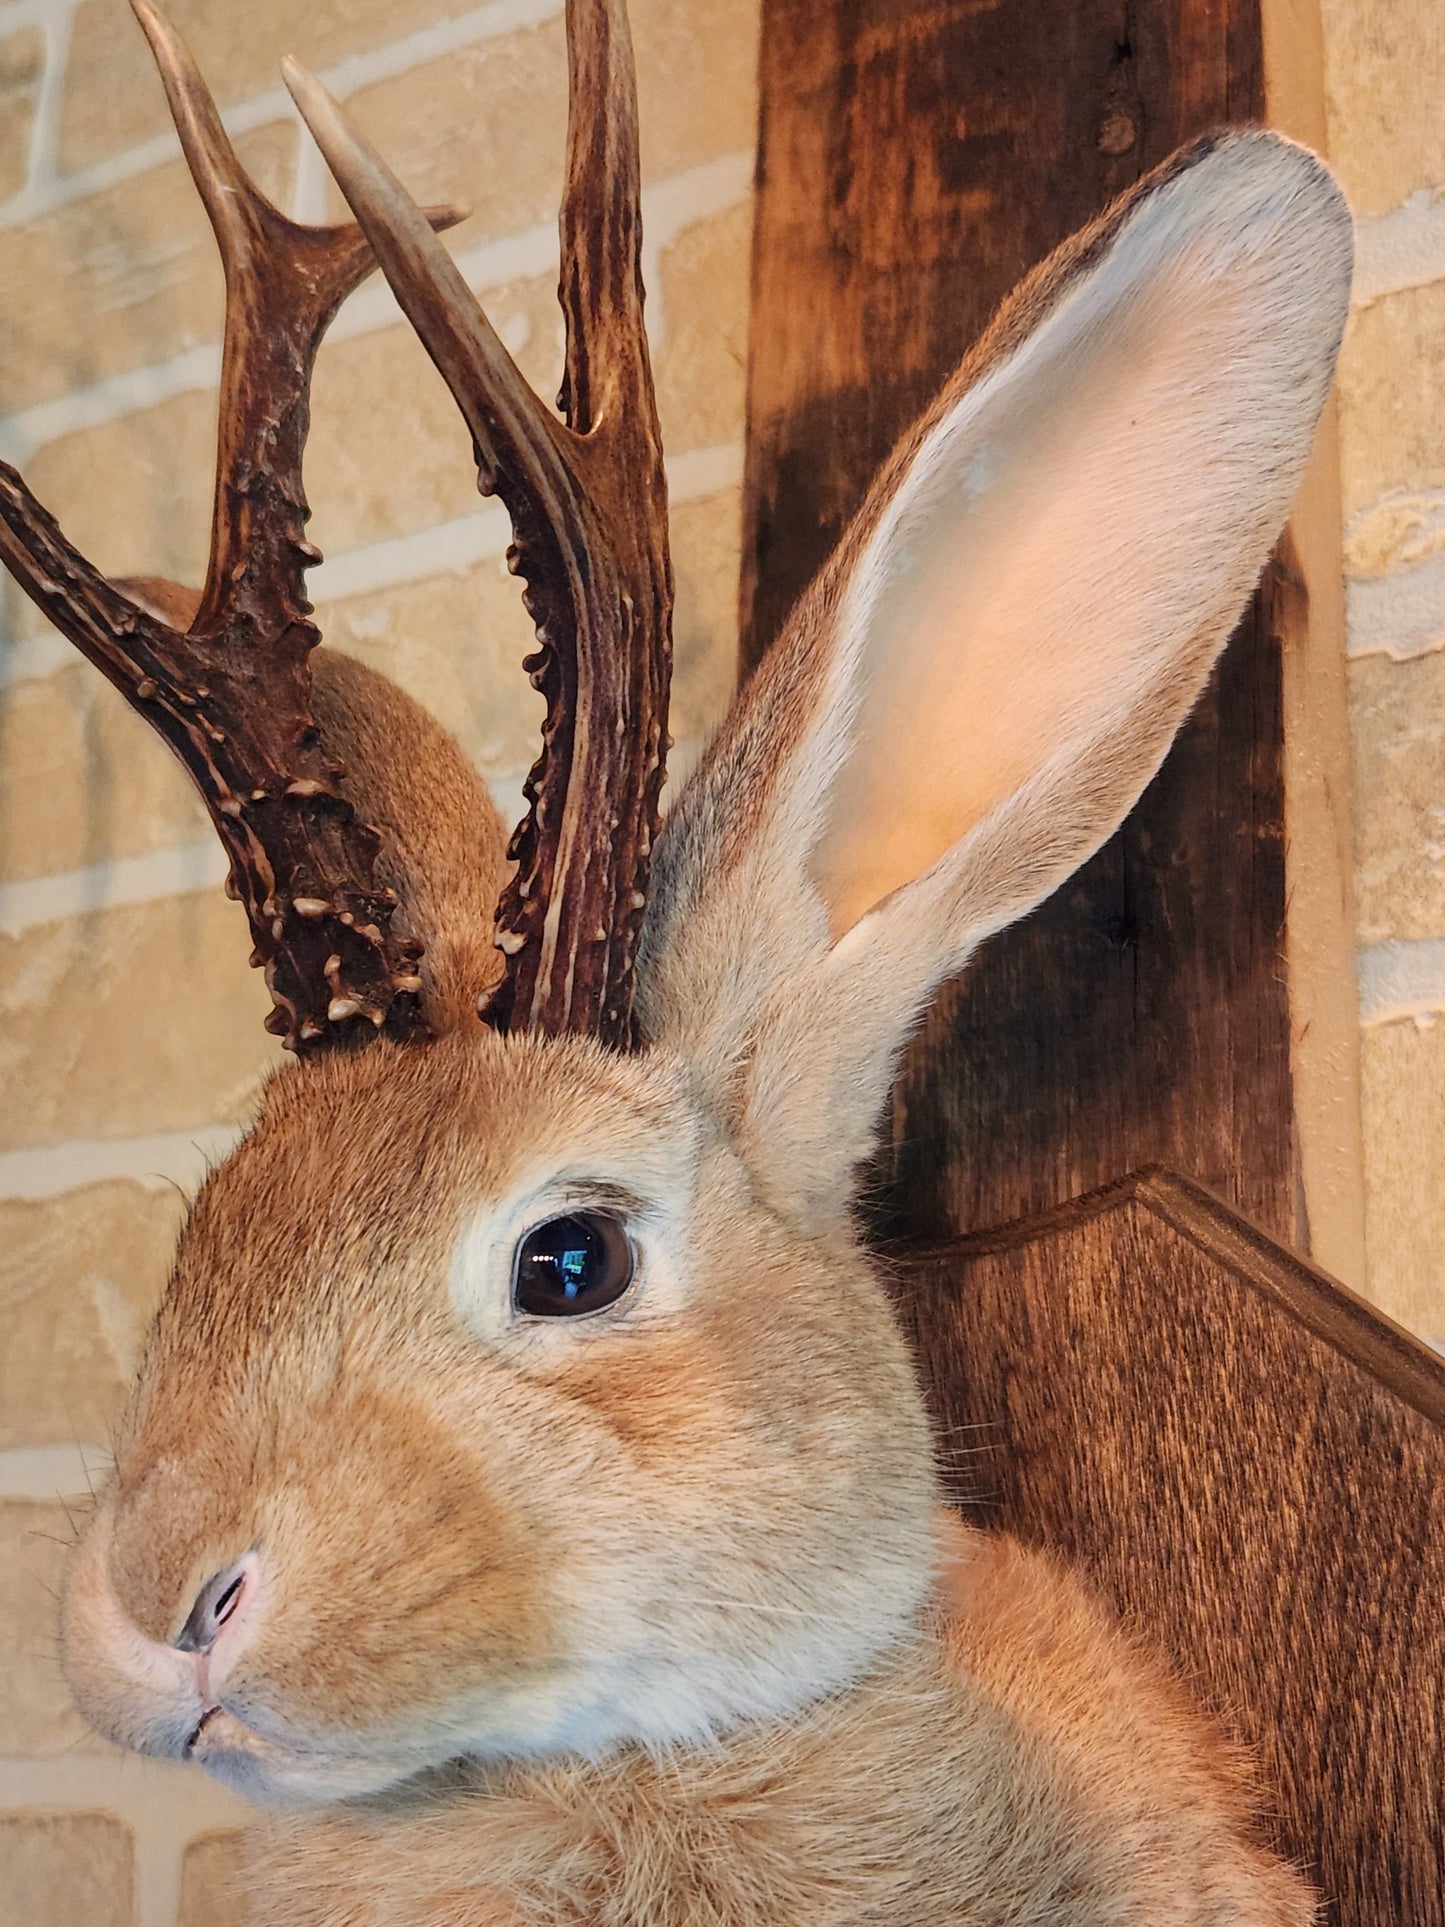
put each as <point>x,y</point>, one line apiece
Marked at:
<point>572,1266</point>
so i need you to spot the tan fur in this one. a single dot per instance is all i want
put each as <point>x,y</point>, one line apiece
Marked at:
<point>653,1618</point>
<point>1003,1769</point>
<point>445,855</point>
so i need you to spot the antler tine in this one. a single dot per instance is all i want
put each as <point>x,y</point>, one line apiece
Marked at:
<point>230,693</point>
<point>513,431</point>
<point>587,502</point>
<point>601,223</point>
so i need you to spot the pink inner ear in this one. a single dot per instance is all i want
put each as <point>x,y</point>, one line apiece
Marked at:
<point>1081,528</point>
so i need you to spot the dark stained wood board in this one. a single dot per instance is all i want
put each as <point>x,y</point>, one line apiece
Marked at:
<point>916,157</point>
<point>1251,1464</point>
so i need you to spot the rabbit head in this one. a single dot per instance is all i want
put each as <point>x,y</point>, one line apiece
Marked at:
<point>519,1392</point>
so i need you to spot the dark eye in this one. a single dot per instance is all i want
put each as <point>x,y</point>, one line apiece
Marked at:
<point>568,1267</point>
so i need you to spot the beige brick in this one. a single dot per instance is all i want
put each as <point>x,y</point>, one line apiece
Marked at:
<point>36,1716</point>
<point>483,126</point>
<point>1392,401</point>
<point>1397,718</point>
<point>389,452</point>
<point>120,279</point>
<point>1384,81</point>
<point>706,539</point>
<point>456,643</point>
<point>702,356</point>
<point>138,1019</point>
<point>22,61</point>
<point>84,779</point>
<point>696,81</point>
<point>486,125</point>
<point>1404,1116</point>
<point>134,495</point>
<point>696,67</point>
<point>1399,532</point>
<point>210,1879</point>
<point>64,1869</point>
<point>80,1276</point>
<point>112,96</point>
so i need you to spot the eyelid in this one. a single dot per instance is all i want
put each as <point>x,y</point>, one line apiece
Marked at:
<point>581,1194</point>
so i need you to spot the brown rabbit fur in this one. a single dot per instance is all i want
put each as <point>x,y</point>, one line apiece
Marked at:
<point>653,1618</point>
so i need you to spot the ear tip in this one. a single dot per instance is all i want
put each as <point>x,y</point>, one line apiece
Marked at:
<point>1261,168</point>
<point>1275,197</point>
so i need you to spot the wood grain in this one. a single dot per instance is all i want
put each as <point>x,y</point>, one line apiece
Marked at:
<point>1251,1463</point>
<point>916,157</point>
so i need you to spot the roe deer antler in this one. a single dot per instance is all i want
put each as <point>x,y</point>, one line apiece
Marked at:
<point>230,690</point>
<point>587,500</point>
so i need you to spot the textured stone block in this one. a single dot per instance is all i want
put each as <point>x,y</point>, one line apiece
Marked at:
<point>134,494</point>
<point>389,452</point>
<point>456,643</point>
<point>36,1716</point>
<point>1401,531</point>
<point>702,355</point>
<point>1384,81</point>
<point>486,125</point>
<point>210,1880</point>
<point>1397,716</point>
<point>137,1019</point>
<point>22,62</point>
<point>80,1275</point>
<point>706,544</point>
<point>65,1870</point>
<point>84,779</point>
<point>697,81</point>
<point>113,99</point>
<point>1392,401</point>
<point>483,126</point>
<point>1403,1068</point>
<point>119,279</point>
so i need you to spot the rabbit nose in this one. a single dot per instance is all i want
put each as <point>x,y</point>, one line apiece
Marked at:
<point>220,1601</point>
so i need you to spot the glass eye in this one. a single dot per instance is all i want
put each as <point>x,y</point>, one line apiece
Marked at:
<point>571,1266</point>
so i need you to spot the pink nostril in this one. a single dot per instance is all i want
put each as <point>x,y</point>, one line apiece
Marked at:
<point>217,1603</point>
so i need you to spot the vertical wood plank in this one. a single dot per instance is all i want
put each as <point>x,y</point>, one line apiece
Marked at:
<point>916,158</point>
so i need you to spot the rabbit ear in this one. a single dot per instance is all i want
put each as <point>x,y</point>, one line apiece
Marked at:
<point>978,687</point>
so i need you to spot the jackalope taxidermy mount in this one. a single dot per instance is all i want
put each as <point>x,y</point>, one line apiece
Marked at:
<point>526,1485</point>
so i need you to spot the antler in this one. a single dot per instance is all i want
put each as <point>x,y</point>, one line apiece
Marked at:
<point>588,506</point>
<point>230,691</point>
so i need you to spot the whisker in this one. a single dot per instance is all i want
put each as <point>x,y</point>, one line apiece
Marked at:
<point>752,1606</point>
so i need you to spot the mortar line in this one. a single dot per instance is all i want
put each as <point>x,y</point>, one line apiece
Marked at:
<point>55,24</point>
<point>669,208</point>
<point>48,1474</point>
<point>391,562</point>
<point>157,1160</point>
<point>179,870</point>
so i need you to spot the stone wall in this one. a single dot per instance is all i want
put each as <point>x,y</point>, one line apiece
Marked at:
<point>131,1046</point>
<point>1384,84</point>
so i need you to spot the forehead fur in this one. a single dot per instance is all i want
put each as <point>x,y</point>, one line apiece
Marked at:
<point>360,1169</point>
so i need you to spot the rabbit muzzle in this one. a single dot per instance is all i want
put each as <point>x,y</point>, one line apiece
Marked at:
<point>192,1697</point>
